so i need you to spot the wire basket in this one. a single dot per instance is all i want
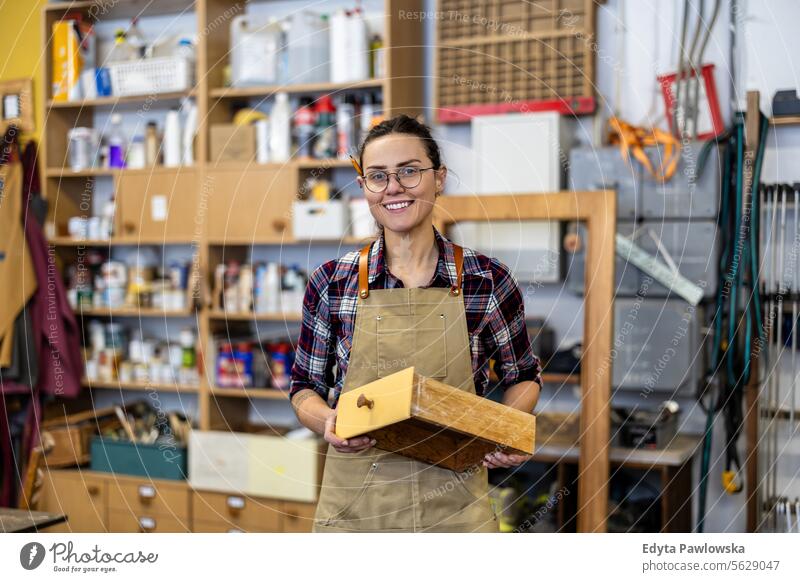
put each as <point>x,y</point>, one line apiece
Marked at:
<point>150,76</point>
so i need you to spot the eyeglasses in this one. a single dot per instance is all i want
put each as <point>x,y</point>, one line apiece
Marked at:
<point>408,176</point>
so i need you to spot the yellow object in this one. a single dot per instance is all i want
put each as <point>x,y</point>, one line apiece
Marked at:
<point>356,166</point>
<point>729,482</point>
<point>394,394</point>
<point>632,141</point>
<point>321,191</point>
<point>248,116</point>
<point>67,61</point>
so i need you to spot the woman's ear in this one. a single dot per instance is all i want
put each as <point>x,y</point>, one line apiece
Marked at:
<point>441,177</point>
<point>360,181</point>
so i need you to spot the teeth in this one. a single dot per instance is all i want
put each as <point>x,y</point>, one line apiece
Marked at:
<point>398,205</point>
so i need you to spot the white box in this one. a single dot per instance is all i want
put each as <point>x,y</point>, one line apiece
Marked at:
<point>257,465</point>
<point>313,220</point>
<point>519,153</point>
<point>362,223</point>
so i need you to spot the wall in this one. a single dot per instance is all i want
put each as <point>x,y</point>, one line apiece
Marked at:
<point>21,45</point>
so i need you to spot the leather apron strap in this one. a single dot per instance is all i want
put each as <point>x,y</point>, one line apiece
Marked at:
<point>363,270</point>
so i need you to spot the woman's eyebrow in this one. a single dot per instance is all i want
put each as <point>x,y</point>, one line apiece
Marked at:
<point>381,167</point>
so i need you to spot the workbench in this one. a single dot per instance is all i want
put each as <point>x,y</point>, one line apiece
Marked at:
<point>25,521</point>
<point>556,444</point>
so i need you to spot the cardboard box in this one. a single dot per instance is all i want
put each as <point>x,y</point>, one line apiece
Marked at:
<point>233,143</point>
<point>314,220</point>
<point>427,420</point>
<point>260,465</point>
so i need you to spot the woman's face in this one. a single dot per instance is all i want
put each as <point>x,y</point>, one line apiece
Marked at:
<point>398,208</point>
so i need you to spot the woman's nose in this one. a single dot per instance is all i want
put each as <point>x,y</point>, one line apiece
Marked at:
<point>394,186</point>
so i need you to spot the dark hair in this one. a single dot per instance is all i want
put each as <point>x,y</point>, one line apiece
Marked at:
<point>405,125</point>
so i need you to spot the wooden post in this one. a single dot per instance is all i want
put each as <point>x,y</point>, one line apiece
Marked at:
<point>598,210</point>
<point>751,400</point>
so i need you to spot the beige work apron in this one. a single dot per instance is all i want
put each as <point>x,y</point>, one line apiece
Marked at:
<point>376,490</point>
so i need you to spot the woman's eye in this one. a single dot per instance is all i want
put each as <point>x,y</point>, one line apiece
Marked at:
<point>377,176</point>
<point>407,172</point>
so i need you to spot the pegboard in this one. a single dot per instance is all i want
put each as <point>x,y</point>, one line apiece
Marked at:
<point>496,56</point>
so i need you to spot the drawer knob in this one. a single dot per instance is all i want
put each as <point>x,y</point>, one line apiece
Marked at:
<point>364,401</point>
<point>235,503</point>
<point>147,492</point>
<point>93,490</point>
<point>147,524</point>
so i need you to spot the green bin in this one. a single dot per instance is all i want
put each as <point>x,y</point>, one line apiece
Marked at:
<point>165,460</point>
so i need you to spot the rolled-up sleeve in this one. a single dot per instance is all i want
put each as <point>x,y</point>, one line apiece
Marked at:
<point>505,336</point>
<point>314,356</point>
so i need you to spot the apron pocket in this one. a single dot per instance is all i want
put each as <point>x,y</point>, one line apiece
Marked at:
<point>405,340</point>
<point>384,502</point>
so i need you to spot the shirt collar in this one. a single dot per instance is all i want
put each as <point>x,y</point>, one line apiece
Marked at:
<point>445,266</point>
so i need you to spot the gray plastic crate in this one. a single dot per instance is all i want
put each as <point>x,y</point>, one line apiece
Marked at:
<point>626,276</point>
<point>604,169</point>
<point>656,346</point>
<point>693,246</point>
<point>679,198</point>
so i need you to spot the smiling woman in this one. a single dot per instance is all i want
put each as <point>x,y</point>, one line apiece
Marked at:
<point>411,298</point>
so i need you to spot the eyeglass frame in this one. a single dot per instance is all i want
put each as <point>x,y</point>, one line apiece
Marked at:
<point>363,176</point>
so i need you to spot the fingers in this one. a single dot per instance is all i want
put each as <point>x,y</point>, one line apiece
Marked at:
<point>498,460</point>
<point>356,448</point>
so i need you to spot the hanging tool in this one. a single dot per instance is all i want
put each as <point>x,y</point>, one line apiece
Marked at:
<point>632,140</point>
<point>738,309</point>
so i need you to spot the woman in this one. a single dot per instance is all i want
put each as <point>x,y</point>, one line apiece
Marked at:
<point>411,298</point>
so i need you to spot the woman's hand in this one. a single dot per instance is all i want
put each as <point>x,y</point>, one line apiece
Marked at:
<point>353,445</point>
<point>499,460</point>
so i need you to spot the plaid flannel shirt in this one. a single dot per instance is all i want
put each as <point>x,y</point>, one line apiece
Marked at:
<point>494,309</point>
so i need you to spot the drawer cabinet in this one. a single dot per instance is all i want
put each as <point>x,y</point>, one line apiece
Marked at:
<point>222,512</point>
<point>151,497</point>
<point>129,521</point>
<point>81,496</point>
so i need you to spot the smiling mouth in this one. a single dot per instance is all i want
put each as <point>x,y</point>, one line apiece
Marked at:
<point>398,206</point>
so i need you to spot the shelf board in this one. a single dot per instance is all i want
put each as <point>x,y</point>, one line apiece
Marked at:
<point>122,9</point>
<point>65,173</point>
<point>243,242</point>
<point>150,99</point>
<point>219,315</point>
<point>64,241</point>
<point>253,393</point>
<point>138,386</point>
<point>785,120</point>
<point>149,312</point>
<point>555,378</point>
<point>267,90</point>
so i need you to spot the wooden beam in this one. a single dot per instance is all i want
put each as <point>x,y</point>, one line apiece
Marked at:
<point>598,211</point>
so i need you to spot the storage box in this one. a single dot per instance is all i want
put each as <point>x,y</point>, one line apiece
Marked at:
<point>233,143</point>
<point>165,460</point>
<point>312,220</point>
<point>261,465</point>
<point>430,421</point>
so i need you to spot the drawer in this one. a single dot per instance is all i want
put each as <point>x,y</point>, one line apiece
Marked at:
<point>82,497</point>
<point>121,521</point>
<point>256,204</point>
<point>298,517</point>
<point>156,498</point>
<point>161,204</point>
<point>237,511</point>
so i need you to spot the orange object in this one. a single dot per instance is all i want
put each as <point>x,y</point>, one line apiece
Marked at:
<point>632,140</point>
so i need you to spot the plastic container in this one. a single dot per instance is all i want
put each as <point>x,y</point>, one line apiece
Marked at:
<point>165,460</point>
<point>308,48</point>
<point>256,47</point>
<point>304,121</point>
<point>280,128</point>
<point>325,139</point>
<point>172,139</point>
<point>116,143</point>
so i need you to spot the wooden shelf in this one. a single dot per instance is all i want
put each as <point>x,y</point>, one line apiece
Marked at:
<point>254,393</point>
<point>116,9</point>
<point>149,312</point>
<point>243,242</point>
<point>561,378</point>
<point>219,315</point>
<point>785,120</point>
<point>267,90</point>
<point>150,99</point>
<point>138,386</point>
<point>65,173</point>
<point>64,241</point>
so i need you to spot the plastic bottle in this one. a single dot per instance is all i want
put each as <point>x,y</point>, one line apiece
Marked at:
<point>121,51</point>
<point>272,288</point>
<point>151,144</point>
<point>365,117</point>
<point>116,143</point>
<point>325,130</point>
<point>280,129</point>
<point>304,120</point>
<point>262,141</point>
<point>136,39</point>
<point>345,115</point>
<point>376,57</point>
<point>172,139</point>
<point>189,130</point>
<point>358,46</point>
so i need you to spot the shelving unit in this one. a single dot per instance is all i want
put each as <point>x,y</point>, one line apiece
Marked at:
<point>221,209</point>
